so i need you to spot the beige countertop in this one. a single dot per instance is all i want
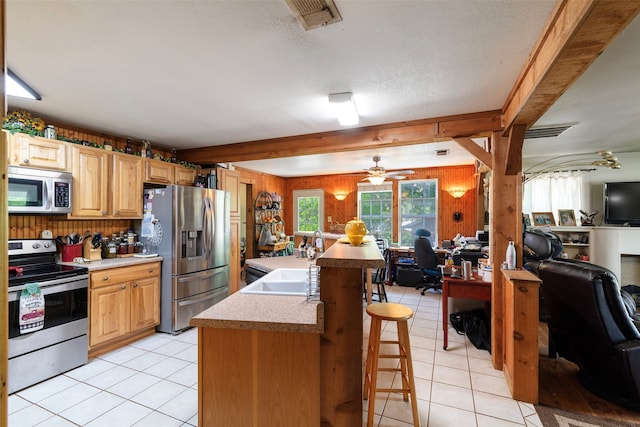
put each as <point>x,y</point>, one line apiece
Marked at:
<point>343,255</point>
<point>273,263</point>
<point>113,263</point>
<point>263,312</point>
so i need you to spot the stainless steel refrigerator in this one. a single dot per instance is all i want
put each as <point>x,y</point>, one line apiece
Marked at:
<point>193,224</point>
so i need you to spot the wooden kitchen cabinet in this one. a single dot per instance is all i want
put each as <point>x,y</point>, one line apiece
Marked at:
<point>35,151</point>
<point>126,186</point>
<point>124,306</point>
<point>90,170</point>
<point>159,172</point>
<point>184,175</point>
<point>230,181</point>
<point>105,184</point>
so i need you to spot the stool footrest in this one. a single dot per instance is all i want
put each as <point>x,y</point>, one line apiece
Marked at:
<point>394,390</point>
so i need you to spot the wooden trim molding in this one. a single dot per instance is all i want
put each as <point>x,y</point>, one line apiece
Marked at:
<point>382,136</point>
<point>575,34</point>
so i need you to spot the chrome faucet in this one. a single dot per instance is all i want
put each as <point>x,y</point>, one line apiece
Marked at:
<point>314,236</point>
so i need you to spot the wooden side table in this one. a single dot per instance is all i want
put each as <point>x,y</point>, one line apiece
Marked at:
<point>455,287</point>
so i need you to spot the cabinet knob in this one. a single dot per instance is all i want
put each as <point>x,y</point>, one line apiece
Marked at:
<point>151,270</point>
<point>116,213</point>
<point>124,287</point>
<point>25,161</point>
<point>135,285</point>
<point>105,278</point>
<point>104,213</point>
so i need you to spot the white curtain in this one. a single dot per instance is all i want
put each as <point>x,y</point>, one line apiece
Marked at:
<point>552,191</point>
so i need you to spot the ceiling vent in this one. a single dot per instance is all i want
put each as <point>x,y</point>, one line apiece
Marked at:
<point>314,13</point>
<point>442,152</point>
<point>550,131</point>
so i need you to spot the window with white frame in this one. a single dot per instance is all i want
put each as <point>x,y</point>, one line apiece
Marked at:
<point>418,200</point>
<point>375,209</point>
<point>308,210</point>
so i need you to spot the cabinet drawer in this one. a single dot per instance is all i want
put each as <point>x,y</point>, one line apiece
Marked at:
<point>124,274</point>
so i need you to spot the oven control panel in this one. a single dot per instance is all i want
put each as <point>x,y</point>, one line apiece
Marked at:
<point>31,246</point>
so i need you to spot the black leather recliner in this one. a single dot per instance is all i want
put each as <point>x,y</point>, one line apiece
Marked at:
<point>590,325</point>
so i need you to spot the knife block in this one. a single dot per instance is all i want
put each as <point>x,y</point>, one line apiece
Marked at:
<point>91,253</point>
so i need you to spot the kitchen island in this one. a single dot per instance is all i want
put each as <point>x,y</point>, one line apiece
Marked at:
<point>264,360</point>
<point>259,361</point>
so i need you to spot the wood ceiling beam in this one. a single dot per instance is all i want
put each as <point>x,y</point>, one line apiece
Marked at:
<point>475,150</point>
<point>515,142</point>
<point>370,137</point>
<point>575,34</point>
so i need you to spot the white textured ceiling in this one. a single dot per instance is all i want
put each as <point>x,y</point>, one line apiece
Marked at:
<point>201,73</point>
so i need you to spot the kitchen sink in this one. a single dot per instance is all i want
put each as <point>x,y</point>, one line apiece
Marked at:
<point>283,281</point>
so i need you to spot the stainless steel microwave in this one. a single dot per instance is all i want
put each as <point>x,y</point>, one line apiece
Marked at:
<point>38,191</point>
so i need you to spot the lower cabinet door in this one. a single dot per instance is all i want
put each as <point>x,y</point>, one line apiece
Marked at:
<point>109,313</point>
<point>145,303</point>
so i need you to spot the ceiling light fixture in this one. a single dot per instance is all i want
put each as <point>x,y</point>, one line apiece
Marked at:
<point>16,87</point>
<point>573,162</point>
<point>344,108</point>
<point>376,180</point>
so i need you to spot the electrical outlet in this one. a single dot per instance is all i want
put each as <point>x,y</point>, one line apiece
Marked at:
<point>329,218</point>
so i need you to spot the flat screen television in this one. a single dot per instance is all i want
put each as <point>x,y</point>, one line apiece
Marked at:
<point>622,203</point>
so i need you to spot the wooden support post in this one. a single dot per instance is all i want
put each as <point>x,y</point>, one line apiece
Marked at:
<point>505,219</point>
<point>521,334</point>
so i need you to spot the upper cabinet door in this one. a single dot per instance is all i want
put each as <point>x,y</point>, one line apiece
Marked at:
<point>127,186</point>
<point>230,181</point>
<point>158,172</point>
<point>184,175</point>
<point>90,182</point>
<point>25,150</point>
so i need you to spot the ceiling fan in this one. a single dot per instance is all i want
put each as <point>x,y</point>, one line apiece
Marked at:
<point>377,174</point>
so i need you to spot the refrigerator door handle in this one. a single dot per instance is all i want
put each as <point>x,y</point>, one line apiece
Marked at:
<point>197,301</point>
<point>204,276</point>
<point>208,211</point>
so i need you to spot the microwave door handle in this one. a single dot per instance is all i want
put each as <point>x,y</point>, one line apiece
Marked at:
<point>46,190</point>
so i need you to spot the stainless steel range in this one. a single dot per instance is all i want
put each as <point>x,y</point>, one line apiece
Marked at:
<point>61,342</point>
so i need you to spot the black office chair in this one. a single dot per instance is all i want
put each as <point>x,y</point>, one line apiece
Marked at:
<point>427,262</point>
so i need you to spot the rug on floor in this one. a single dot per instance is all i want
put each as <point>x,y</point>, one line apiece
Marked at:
<point>554,417</point>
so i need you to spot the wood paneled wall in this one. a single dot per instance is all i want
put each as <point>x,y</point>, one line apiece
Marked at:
<point>457,177</point>
<point>31,226</point>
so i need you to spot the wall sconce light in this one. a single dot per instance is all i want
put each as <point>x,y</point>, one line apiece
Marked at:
<point>340,195</point>
<point>344,108</point>
<point>457,193</point>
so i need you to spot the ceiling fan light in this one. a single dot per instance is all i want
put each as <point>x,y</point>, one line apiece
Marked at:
<point>376,180</point>
<point>344,108</point>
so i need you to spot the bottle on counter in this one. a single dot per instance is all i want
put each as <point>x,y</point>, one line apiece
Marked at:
<point>510,256</point>
<point>112,249</point>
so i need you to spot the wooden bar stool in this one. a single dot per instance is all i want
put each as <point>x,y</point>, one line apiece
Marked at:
<point>400,314</point>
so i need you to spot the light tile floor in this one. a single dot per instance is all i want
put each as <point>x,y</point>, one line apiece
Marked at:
<point>153,382</point>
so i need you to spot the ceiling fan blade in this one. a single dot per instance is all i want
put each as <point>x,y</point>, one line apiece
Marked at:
<point>404,172</point>
<point>396,177</point>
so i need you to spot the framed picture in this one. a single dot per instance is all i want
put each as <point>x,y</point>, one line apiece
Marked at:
<point>566,217</point>
<point>526,219</point>
<point>543,218</point>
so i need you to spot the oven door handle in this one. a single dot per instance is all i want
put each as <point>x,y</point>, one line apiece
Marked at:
<point>56,285</point>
